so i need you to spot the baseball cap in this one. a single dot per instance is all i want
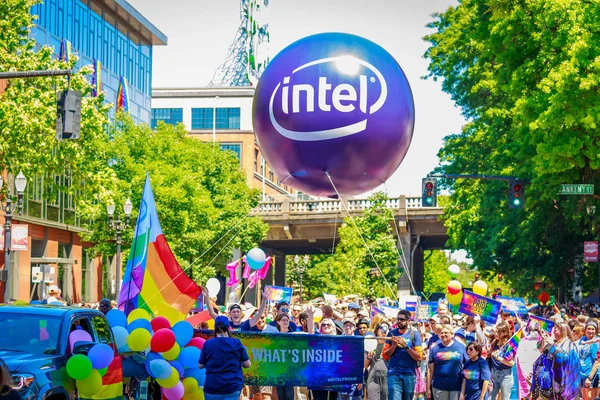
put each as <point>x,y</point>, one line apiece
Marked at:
<point>363,313</point>
<point>348,320</point>
<point>353,306</point>
<point>234,306</point>
<point>362,321</point>
<point>223,319</point>
<point>105,302</point>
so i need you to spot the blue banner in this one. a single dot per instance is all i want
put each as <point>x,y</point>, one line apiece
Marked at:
<point>515,305</point>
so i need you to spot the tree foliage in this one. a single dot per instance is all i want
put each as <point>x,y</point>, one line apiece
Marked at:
<point>525,74</point>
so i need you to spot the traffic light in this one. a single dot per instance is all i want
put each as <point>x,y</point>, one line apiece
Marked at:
<point>429,198</point>
<point>68,115</point>
<point>516,194</point>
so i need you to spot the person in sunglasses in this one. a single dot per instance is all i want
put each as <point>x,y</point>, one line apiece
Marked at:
<point>104,306</point>
<point>283,307</point>
<point>476,373</point>
<point>403,352</point>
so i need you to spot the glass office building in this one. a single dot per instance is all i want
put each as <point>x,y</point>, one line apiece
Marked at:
<point>110,31</point>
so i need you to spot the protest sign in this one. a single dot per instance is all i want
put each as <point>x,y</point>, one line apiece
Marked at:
<point>280,293</point>
<point>427,310</point>
<point>474,304</point>
<point>515,305</point>
<point>544,323</point>
<point>302,360</point>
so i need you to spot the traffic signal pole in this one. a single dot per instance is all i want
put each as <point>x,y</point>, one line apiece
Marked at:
<point>477,176</point>
<point>35,74</point>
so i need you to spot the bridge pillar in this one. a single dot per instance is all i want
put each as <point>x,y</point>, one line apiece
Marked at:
<point>404,283</point>
<point>279,268</point>
<point>413,254</point>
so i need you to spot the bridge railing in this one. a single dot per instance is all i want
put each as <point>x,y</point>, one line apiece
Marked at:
<point>330,205</point>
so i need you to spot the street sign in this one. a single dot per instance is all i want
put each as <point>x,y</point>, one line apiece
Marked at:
<point>572,188</point>
<point>590,251</point>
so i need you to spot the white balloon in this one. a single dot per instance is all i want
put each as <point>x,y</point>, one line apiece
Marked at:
<point>370,344</point>
<point>214,287</point>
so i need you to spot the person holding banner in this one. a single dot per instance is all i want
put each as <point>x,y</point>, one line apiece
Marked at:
<point>476,373</point>
<point>502,377</point>
<point>223,357</point>
<point>446,362</point>
<point>403,353</point>
<point>377,386</point>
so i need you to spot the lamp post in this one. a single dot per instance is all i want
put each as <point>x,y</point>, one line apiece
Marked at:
<point>591,210</point>
<point>301,268</point>
<point>8,208</point>
<point>118,226</point>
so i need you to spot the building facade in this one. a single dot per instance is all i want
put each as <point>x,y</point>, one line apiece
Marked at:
<point>114,33</point>
<point>222,114</point>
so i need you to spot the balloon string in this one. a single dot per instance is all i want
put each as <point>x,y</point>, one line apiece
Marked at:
<point>401,257</point>
<point>395,294</point>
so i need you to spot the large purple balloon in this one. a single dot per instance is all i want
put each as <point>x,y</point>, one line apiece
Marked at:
<point>335,103</point>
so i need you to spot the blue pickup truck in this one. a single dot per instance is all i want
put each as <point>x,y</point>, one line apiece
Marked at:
<point>34,343</point>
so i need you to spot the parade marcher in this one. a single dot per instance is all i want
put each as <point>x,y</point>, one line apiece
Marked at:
<point>502,377</point>
<point>476,373</point>
<point>235,312</point>
<point>587,356</point>
<point>404,352</point>
<point>377,387</point>
<point>6,392</point>
<point>283,307</point>
<point>526,355</point>
<point>223,357</point>
<point>105,306</point>
<point>362,327</point>
<point>257,322</point>
<point>446,362</point>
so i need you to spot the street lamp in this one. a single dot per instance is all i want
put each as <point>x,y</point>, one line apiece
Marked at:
<point>8,208</point>
<point>301,268</point>
<point>591,210</point>
<point>118,226</point>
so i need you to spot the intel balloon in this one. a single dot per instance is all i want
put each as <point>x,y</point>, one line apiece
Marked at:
<point>333,103</point>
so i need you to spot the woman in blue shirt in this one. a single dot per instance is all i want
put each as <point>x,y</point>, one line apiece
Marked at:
<point>223,357</point>
<point>587,356</point>
<point>476,373</point>
<point>446,361</point>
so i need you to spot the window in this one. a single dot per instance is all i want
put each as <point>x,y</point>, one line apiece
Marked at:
<point>102,330</point>
<point>235,147</point>
<point>226,118</point>
<point>255,160</point>
<point>167,115</point>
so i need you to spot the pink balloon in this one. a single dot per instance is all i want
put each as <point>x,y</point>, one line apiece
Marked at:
<point>78,335</point>
<point>174,393</point>
<point>160,323</point>
<point>232,267</point>
<point>262,273</point>
<point>162,340</point>
<point>247,269</point>
<point>197,342</point>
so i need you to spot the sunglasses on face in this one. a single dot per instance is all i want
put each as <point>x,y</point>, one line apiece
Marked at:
<point>402,320</point>
<point>384,328</point>
<point>104,305</point>
<point>326,325</point>
<point>285,310</point>
<point>470,349</point>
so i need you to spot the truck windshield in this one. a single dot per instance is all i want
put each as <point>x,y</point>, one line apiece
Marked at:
<point>29,333</point>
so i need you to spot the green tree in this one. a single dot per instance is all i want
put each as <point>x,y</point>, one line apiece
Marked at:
<point>201,194</point>
<point>525,75</point>
<point>435,276</point>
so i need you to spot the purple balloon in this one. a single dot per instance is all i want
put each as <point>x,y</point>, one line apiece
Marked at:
<point>174,393</point>
<point>335,103</point>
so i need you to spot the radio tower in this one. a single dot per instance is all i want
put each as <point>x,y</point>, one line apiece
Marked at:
<point>247,56</point>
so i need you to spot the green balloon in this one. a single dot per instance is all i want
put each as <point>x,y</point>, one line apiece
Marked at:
<point>102,371</point>
<point>79,367</point>
<point>90,385</point>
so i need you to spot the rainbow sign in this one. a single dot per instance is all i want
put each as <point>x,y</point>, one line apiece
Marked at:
<point>511,347</point>
<point>280,293</point>
<point>302,360</point>
<point>544,323</point>
<point>474,304</point>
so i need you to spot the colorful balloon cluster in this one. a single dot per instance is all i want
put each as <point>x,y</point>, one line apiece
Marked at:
<point>455,293</point>
<point>88,370</point>
<point>172,353</point>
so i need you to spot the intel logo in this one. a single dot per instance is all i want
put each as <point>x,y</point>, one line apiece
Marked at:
<point>333,102</point>
<point>344,98</point>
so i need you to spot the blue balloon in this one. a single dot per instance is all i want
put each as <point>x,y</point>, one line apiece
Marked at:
<point>184,332</point>
<point>196,373</point>
<point>121,335</point>
<point>189,356</point>
<point>178,366</point>
<point>116,317</point>
<point>161,369</point>
<point>256,258</point>
<point>101,355</point>
<point>149,358</point>
<point>140,323</point>
<point>341,107</point>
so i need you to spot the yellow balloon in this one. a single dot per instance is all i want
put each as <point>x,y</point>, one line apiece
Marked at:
<point>171,381</point>
<point>190,385</point>
<point>454,299</point>
<point>211,324</point>
<point>90,385</point>
<point>138,313</point>
<point>480,288</point>
<point>173,353</point>
<point>139,339</point>
<point>318,315</point>
<point>197,394</point>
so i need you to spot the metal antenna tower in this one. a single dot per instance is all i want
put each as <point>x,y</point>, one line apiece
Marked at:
<point>247,56</point>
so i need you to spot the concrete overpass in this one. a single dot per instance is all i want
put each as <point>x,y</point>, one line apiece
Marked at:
<point>310,227</point>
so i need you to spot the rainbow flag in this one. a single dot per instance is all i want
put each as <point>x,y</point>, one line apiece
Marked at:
<point>375,311</point>
<point>122,96</point>
<point>153,279</point>
<point>510,348</point>
<point>65,51</point>
<point>96,79</point>
<point>545,324</point>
